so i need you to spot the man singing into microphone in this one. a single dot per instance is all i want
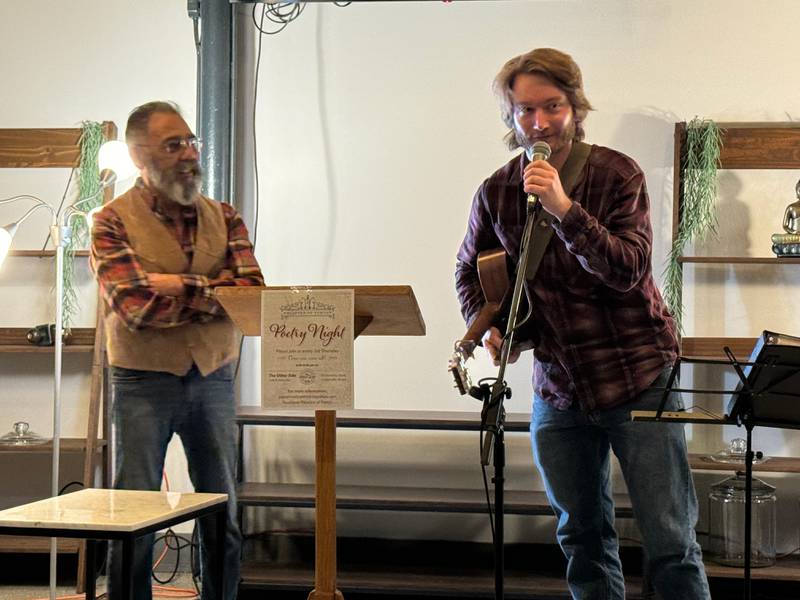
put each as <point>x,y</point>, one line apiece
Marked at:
<point>603,339</point>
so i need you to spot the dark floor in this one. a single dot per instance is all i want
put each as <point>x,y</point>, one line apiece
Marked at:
<point>25,576</point>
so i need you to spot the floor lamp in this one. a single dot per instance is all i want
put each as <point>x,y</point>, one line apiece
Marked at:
<point>116,166</point>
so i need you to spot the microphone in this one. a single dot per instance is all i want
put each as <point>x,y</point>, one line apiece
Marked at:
<point>539,151</point>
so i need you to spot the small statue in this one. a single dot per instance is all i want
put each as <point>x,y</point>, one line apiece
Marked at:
<point>791,218</point>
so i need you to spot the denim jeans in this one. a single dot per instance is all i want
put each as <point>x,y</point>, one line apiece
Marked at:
<point>571,450</point>
<point>148,408</point>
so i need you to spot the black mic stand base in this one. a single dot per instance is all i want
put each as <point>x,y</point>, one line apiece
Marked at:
<point>499,541</point>
<point>494,444</point>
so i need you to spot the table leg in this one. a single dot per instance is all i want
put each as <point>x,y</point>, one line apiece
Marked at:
<point>127,568</point>
<point>222,529</point>
<point>90,576</point>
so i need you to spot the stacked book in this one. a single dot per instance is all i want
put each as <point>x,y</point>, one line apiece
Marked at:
<point>786,244</point>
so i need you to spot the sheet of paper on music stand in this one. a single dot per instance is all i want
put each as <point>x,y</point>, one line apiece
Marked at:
<point>307,349</point>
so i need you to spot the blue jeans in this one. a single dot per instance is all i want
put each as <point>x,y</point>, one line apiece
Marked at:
<point>148,408</point>
<point>571,450</point>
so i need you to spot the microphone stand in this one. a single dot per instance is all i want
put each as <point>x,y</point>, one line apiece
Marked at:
<point>493,414</point>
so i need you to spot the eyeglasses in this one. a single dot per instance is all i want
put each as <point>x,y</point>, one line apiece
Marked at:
<point>176,145</point>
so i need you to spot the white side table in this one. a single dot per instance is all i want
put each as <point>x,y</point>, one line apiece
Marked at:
<point>99,514</point>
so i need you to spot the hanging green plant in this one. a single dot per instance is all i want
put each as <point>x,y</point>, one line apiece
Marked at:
<point>698,216</point>
<point>89,195</point>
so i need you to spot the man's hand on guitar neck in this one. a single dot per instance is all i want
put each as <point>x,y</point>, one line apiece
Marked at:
<point>493,343</point>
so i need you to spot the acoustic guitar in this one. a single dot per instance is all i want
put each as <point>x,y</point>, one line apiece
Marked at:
<point>493,277</point>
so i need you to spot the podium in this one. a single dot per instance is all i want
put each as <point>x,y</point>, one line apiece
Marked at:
<point>378,310</point>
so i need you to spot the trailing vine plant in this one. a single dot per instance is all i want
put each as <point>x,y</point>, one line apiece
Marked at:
<point>697,216</point>
<point>89,196</point>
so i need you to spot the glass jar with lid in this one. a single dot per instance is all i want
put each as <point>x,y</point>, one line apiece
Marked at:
<point>726,522</point>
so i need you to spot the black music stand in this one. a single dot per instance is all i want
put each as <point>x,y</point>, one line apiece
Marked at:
<point>767,385</point>
<point>768,382</point>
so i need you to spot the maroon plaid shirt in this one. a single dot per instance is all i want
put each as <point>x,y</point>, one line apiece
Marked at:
<point>601,331</point>
<point>123,281</point>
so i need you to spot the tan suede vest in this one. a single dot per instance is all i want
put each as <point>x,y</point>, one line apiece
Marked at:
<point>173,350</point>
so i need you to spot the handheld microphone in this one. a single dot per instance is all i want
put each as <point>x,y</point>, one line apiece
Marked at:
<point>539,151</point>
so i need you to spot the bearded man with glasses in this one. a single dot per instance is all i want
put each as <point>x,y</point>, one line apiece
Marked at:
<point>158,252</point>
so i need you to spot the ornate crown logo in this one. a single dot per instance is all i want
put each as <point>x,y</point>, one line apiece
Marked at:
<point>307,307</point>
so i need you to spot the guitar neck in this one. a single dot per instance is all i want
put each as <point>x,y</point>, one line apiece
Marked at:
<point>485,319</point>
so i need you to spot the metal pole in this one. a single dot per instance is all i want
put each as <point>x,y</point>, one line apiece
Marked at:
<point>242,111</point>
<point>59,233</point>
<point>214,115</point>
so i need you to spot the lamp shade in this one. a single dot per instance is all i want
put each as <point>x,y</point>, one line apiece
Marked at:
<point>90,216</point>
<point>6,235</point>
<point>114,156</point>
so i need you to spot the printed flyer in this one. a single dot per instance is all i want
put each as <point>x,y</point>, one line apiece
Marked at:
<point>307,349</point>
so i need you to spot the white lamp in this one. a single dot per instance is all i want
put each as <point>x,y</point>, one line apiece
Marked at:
<point>115,157</point>
<point>7,232</point>
<point>6,235</point>
<point>60,232</point>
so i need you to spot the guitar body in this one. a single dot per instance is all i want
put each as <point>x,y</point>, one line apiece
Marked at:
<point>495,284</point>
<point>493,274</point>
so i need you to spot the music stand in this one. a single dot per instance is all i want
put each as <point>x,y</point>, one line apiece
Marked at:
<point>773,375</point>
<point>767,380</point>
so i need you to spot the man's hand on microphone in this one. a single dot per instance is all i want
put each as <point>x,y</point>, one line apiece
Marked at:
<point>541,178</point>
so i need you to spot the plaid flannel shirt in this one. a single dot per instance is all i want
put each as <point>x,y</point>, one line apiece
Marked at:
<point>601,331</point>
<point>123,282</point>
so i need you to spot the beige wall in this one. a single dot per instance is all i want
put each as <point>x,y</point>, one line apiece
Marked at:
<point>375,126</point>
<point>64,63</point>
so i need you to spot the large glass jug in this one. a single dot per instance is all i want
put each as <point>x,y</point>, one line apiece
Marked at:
<point>726,522</point>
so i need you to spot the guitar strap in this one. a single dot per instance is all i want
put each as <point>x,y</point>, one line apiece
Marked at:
<point>568,174</point>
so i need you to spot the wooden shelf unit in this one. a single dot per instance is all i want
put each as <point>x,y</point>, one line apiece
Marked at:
<point>785,569</point>
<point>13,339</point>
<point>739,260</point>
<point>257,574</point>
<point>379,419</point>
<point>775,464</point>
<point>405,499</point>
<point>35,545</point>
<point>744,146</point>
<point>42,253</point>
<point>383,579</point>
<point>59,148</point>
<point>68,445</point>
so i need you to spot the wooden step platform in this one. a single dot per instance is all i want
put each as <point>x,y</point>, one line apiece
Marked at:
<point>375,567</point>
<point>451,582</point>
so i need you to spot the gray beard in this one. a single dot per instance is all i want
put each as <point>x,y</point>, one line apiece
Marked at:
<point>170,188</point>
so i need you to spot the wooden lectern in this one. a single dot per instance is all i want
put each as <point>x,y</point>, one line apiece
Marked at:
<point>379,310</point>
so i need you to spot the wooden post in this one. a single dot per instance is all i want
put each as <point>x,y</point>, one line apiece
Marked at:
<point>96,392</point>
<point>325,543</point>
